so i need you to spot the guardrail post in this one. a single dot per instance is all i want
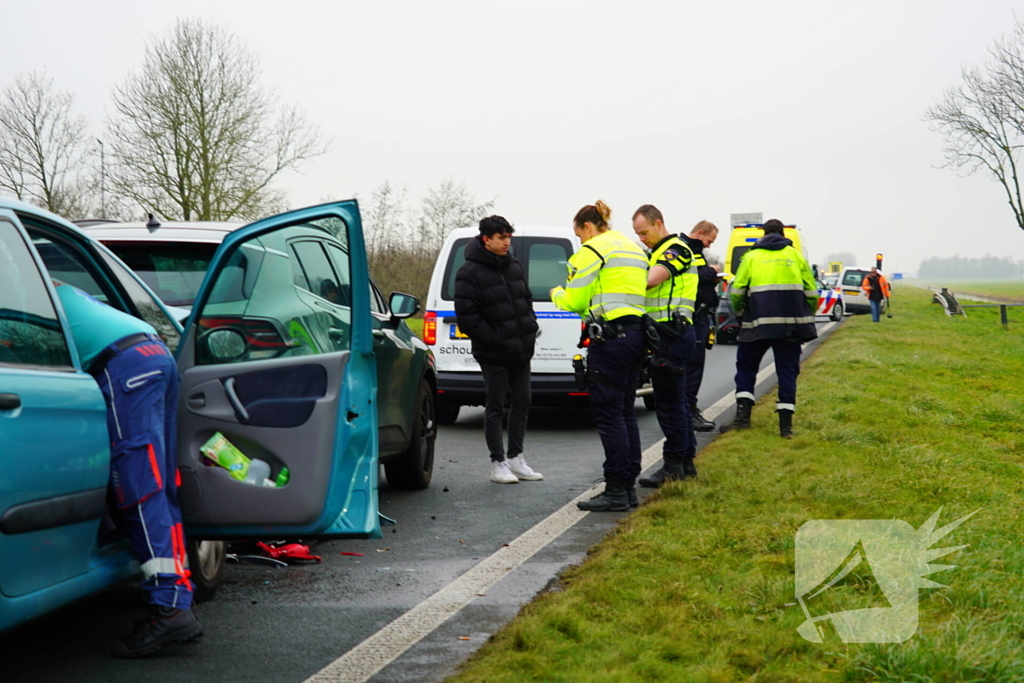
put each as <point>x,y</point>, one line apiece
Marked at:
<point>1002,316</point>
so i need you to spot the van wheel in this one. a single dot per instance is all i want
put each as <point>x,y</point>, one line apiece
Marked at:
<point>413,469</point>
<point>447,412</point>
<point>206,562</point>
<point>837,311</point>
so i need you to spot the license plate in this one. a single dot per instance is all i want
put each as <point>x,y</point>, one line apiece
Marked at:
<point>455,333</point>
<point>855,292</point>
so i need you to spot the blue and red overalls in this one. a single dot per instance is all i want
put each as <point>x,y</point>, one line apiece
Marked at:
<point>139,380</point>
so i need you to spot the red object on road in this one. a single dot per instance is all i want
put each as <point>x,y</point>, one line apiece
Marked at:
<point>289,551</point>
<point>353,554</point>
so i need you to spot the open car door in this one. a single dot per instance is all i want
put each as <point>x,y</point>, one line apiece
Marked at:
<point>282,381</point>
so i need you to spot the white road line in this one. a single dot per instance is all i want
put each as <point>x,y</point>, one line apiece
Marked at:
<point>370,656</point>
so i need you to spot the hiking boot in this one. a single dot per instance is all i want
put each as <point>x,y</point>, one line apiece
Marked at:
<point>501,474</point>
<point>670,471</point>
<point>163,625</point>
<point>742,419</point>
<point>521,470</point>
<point>785,423</point>
<point>615,498</point>
<point>700,424</point>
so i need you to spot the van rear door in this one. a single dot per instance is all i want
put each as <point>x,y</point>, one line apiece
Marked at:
<point>545,260</point>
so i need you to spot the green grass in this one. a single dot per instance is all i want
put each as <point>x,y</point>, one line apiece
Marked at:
<point>894,420</point>
<point>1011,290</point>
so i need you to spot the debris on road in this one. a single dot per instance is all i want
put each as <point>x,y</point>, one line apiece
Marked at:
<point>288,551</point>
<point>352,554</point>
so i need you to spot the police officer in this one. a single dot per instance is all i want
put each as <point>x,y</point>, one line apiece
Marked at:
<point>139,380</point>
<point>671,291</point>
<point>700,238</point>
<point>774,295</point>
<point>607,280</point>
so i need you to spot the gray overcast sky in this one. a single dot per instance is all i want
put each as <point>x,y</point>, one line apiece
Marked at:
<point>806,111</point>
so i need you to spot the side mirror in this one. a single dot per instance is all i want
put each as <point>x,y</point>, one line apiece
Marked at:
<point>223,344</point>
<point>403,305</point>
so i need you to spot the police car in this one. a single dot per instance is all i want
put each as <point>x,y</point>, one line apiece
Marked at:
<point>544,253</point>
<point>286,378</point>
<point>831,304</point>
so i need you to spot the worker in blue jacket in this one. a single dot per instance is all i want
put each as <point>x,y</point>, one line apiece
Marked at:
<point>139,380</point>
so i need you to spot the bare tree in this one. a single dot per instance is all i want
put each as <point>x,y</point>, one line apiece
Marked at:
<point>982,119</point>
<point>194,136</point>
<point>446,207</point>
<point>44,147</point>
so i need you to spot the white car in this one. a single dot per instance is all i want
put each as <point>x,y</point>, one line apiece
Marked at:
<point>850,280</point>
<point>544,253</point>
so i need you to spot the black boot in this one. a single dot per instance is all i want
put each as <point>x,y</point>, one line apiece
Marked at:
<point>785,423</point>
<point>742,419</point>
<point>670,471</point>
<point>689,469</point>
<point>631,496</point>
<point>700,424</point>
<point>615,497</point>
<point>163,625</point>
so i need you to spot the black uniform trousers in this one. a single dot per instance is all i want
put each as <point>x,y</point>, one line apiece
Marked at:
<point>613,368</point>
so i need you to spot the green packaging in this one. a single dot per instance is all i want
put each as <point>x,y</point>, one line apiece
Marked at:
<point>224,453</point>
<point>283,476</point>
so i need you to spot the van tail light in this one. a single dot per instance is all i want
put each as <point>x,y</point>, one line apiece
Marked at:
<point>586,340</point>
<point>430,328</point>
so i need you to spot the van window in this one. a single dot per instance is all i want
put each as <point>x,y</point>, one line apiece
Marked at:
<point>853,278</point>
<point>737,255</point>
<point>545,262</point>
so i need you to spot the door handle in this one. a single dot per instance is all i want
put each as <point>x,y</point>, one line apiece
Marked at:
<point>379,334</point>
<point>10,401</point>
<point>336,333</point>
<point>197,401</point>
<point>240,412</point>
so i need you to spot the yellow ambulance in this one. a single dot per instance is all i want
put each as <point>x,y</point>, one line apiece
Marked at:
<point>744,237</point>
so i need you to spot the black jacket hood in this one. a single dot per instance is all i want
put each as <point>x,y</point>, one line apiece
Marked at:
<point>773,242</point>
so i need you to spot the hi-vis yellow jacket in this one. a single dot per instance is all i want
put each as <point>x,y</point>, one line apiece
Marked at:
<point>607,279</point>
<point>679,291</point>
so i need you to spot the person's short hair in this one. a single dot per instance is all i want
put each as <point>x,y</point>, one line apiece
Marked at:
<point>650,212</point>
<point>773,226</point>
<point>598,214</point>
<point>494,225</point>
<point>704,227</point>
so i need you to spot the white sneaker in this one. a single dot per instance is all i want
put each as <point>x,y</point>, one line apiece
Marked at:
<point>518,467</point>
<point>500,473</point>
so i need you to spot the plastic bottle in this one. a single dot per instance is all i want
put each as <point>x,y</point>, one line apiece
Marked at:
<point>283,476</point>
<point>258,471</point>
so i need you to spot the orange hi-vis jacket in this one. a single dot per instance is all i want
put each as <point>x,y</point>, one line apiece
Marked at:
<point>882,282</point>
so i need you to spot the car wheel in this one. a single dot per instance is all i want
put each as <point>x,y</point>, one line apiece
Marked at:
<point>206,562</point>
<point>447,412</point>
<point>649,402</point>
<point>837,311</point>
<point>414,468</point>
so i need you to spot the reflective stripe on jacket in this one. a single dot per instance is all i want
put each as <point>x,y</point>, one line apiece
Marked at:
<point>679,291</point>
<point>774,293</point>
<point>607,279</point>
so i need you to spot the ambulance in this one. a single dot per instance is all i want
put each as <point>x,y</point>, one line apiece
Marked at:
<point>744,237</point>
<point>544,253</point>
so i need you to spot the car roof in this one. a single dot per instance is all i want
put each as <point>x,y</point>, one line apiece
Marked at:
<point>169,231</point>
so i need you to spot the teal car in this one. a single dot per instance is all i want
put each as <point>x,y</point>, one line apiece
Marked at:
<point>281,363</point>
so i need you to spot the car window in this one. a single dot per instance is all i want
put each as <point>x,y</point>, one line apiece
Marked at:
<point>853,278</point>
<point>30,332</point>
<point>173,270</point>
<point>65,264</point>
<point>148,308</point>
<point>255,311</point>
<point>545,260</point>
<point>342,268</point>
<point>377,304</point>
<point>456,257</point>
<point>319,276</point>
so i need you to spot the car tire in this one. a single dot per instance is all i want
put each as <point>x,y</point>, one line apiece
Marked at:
<point>837,311</point>
<point>206,562</point>
<point>649,402</point>
<point>447,412</point>
<point>414,468</point>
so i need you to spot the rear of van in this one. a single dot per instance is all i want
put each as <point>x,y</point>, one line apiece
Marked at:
<point>544,253</point>
<point>850,279</point>
<point>743,238</point>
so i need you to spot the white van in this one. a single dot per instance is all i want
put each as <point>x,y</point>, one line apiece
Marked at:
<point>544,253</point>
<point>850,279</point>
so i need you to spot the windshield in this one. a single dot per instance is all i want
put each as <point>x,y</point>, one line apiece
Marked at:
<point>173,270</point>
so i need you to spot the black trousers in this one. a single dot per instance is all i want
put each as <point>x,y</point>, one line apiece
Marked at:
<point>501,382</point>
<point>695,362</point>
<point>615,367</point>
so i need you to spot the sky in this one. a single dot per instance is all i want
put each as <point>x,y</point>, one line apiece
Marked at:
<point>810,112</point>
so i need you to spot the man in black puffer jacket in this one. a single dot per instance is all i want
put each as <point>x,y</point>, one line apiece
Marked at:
<point>495,309</point>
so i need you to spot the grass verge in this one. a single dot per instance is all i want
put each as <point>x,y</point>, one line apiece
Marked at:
<point>1009,290</point>
<point>416,324</point>
<point>895,420</point>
